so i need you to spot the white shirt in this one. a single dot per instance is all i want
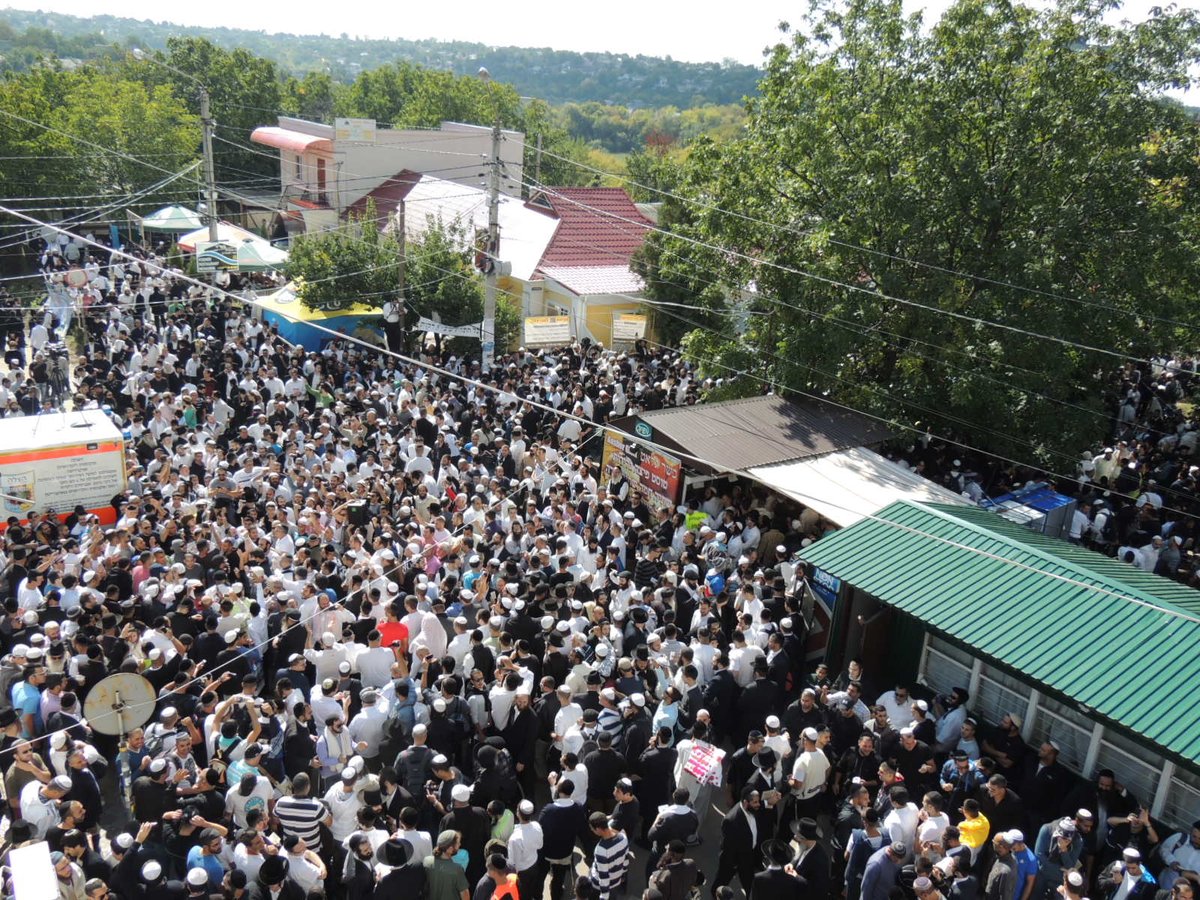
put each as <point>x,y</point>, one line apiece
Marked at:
<point>420,841</point>
<point>367,726</point>
<point>566,717</point>
<point>39,812</point>
<point>811,770</point>
<point>344,808</point>
<point>524,844</point>
<point>301,871</point>
<point>375,666</point>
<point>901,825</point>
<point>899,711</point>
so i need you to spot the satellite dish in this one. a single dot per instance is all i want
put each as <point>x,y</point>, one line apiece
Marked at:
<point>120,703</point>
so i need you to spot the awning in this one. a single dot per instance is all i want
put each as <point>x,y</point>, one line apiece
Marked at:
<point>1112,638</point>
<point>259,256</point>
<point>172,218</point>
<point>225,232</point>
<point>287,139</point>
<point>849,485</point>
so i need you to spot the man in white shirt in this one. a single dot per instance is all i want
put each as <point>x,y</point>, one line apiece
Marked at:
<point>367,726</point>
<point>898,704</point>
<point>523,846</point>
<point>568,715</point>
<point>374,664</point>
<point>901,823</point>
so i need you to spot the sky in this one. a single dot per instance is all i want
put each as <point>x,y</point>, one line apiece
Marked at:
<point>656,28</point>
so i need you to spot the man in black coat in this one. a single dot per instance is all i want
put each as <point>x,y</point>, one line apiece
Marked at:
<point>272,874</point>
<point>775,881</point>
<point>719,698</point>
<point>813,866</point>
<point>742,833</point>
<point>760,699</point>
<point>677,822</point>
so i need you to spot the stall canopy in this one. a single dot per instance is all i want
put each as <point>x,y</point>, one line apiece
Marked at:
<point>175,219</point>
<point>756,431</point>
<point>259,256</point>
<point>848,485</point>
<point>1116,640</point>
<point>225,232</point>
<point>309,328</point>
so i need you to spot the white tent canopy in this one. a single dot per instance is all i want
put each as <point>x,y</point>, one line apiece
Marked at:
<point>850,485</point>
<point>225,232</point>
<point>172,218</point>
<point>259,256</point>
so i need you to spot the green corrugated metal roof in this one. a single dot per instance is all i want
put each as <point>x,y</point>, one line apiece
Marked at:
<point>1123,650</point>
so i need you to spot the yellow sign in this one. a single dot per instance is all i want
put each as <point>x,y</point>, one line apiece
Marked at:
<point>354,131</point>
<point>628,327</point>
<point>544,330</point>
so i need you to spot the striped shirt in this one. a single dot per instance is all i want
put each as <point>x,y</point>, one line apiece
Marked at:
<point>302,817</point>
<point>609,864</point>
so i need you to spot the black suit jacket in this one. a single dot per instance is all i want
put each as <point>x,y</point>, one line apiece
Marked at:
<point>814,869</point>
<point>779,885</point>
<point>736,837</point>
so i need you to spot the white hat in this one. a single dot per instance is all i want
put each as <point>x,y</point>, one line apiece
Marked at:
<point>638,700</point>
<point>602,650</point>
<point>609,694</point>
<point>547,622</point>
<point>349,773</point>
<point>152,870</point>
<point>772,722</point>
<point>525,807</point>
<point>810,734</point>
<point>231,635</point>
<point>169,712</point>
<point>439,705</point>
<point>155,654</point>
<point>460,793</point>
<point>328,638</point>
<point>197,877</point>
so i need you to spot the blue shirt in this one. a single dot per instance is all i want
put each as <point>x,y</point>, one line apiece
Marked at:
<point>1026,864</point>
<point>27,699</point>
<point>210,864</point>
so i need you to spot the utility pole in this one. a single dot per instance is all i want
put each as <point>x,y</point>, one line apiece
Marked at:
<point>488,335</point>
<point>401,304</point>
<point>537,162</point>
<point>210,177</point>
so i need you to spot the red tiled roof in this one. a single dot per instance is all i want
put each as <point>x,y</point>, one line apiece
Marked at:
<point>387,196</point>
<point>598,227</point>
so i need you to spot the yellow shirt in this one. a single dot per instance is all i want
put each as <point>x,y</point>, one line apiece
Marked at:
<point>974,832</point>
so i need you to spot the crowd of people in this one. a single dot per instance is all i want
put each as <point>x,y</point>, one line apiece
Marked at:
<point>409,637</point>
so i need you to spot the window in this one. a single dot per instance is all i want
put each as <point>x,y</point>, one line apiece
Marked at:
<point>1182,806</point>
<point>299,169</point>
<point>1136,767</point>
<point>999,694</point>
<point>1071,730</point>
<point>946,666</point>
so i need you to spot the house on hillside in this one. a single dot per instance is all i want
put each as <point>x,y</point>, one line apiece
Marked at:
<point>569,248</point>
<point>326,169</point>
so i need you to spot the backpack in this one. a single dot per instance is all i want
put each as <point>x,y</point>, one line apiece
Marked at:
<point>155,737</point>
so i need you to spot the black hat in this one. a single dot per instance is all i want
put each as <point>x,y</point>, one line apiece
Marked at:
<point>7,717</point>
<point>806,829</point>
<point>273,870</point>
<point>765,758</point>
<point>395,852</point>
<point>778,852</point>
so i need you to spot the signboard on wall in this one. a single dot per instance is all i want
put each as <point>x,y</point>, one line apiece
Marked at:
<point>354,131</point>
<point>628,327</point>
<point>826,588</point>
<point>542,331</point>
<point>656,474</point>
<point>432,327</point>
<point>216,256</point>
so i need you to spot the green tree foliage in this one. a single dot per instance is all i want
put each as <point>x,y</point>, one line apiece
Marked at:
<point>405,95</point>
<point>147,129</point>
<point>445,285</point>
<point>558,76</point>
<point>245,90</point>
<point>1025,148</point>
<point>352,264</point>
<point>316,96</point>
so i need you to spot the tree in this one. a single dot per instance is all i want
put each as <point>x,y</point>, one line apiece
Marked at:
<point>355,263</point>
<point>445,285</point>
<point>1029,150</point>
<point>245,91</point>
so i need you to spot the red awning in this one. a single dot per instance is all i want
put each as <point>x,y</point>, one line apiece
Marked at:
<point>286,139</point>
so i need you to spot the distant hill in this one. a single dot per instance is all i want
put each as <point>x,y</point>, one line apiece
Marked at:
<point>558,76</point>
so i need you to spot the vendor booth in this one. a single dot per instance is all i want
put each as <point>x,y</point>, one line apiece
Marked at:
<point>306,327</point>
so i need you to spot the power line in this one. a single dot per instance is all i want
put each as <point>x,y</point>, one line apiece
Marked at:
<point>425,365</point>
<point>802,232</point>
